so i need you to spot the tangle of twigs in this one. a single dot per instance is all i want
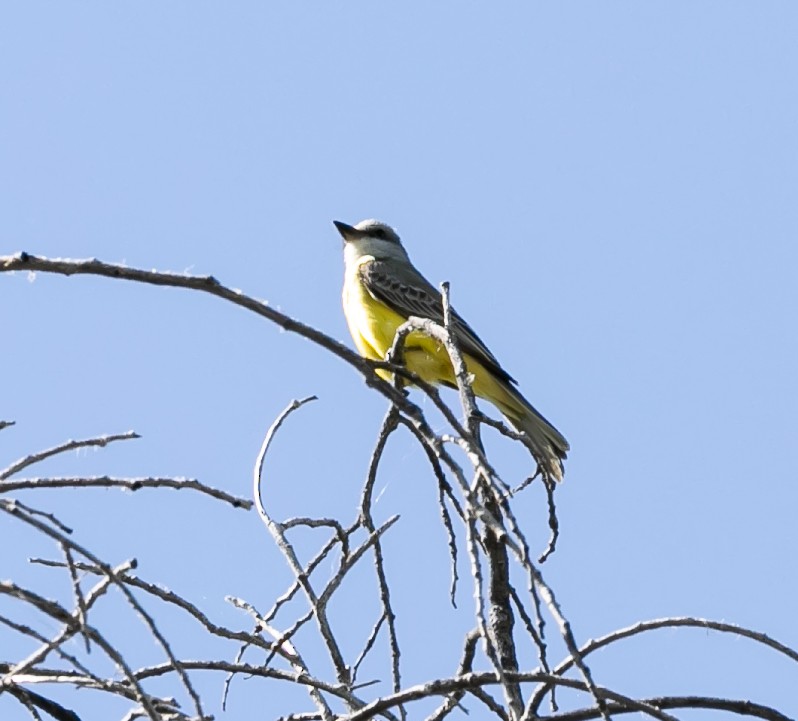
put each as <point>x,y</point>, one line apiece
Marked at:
<point>476,507</point>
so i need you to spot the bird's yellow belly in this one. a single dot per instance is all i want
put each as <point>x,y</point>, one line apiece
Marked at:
<point>373,326</point>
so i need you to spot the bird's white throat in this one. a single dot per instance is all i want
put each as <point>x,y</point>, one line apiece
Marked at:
<point>377,248</point>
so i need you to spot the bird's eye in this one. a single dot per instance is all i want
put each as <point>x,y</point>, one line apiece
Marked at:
<point>378,233</point>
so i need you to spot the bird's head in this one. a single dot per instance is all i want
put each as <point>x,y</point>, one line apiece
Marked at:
<point>370,237</point>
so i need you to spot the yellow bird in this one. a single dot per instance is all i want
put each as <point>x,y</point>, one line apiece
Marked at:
<point>382,289</point>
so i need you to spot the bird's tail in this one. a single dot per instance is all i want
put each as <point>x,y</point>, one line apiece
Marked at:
<point>547,444</point>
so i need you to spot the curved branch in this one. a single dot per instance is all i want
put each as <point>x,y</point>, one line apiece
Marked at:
<point>743,708</point>
<point>644,627</point>
<point>208,284</point>
<point>466,682</point>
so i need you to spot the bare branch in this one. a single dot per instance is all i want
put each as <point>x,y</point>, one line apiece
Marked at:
<point>647,626</point>
<point>77,591</point>
<point>743,708</point>
<point>167,596</point>
<point>100,441</point>
<point>311,566</point>
<point>34,700</point>
<point>13,510</point>
<point>468,681</point>
<point>28,631</point>
<point>278,534</point>
<point>444,491</point>
<point>554,524</point>
<point>389,425</point>
<point>340,533</point>
<point>130,484</point>
<point>58,613</point>
<point>209,284</point>
<point>372,637</point>
<point>466,666</point>
<point>41,514</point>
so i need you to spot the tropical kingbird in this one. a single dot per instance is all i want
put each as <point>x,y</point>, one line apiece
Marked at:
<point>382,289</point>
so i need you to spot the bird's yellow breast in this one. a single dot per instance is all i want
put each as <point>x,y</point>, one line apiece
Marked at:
<point>373,326</point>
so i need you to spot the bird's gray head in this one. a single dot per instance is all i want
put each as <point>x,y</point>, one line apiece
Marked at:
<point>367,229</point>
<point>370,238</point>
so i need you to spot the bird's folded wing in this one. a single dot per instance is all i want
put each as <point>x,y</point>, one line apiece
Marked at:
<point>403,289</point>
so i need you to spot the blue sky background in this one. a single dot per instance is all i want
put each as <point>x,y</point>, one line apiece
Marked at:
<point>609,187</point>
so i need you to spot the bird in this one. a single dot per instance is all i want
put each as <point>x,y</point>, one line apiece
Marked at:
<point>382,289</point>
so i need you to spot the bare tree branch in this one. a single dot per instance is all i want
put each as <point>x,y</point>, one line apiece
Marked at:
<point>30,460</point>
<point>389,425</point>
<point>743,708</point>
<point>209,284</point>
<point>441,687</point>
<point>13,510</point>
<point>130,484</point>
<point>647,626</point>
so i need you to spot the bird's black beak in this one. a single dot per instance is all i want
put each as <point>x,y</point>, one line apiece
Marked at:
<point>346,231</point>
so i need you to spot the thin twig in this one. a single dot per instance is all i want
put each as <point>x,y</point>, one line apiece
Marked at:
<point>442,687</point>
<point>372,637</point>
<point>277,532</point>
<point>389,425</point>
<point>28,631</point>
<point>740,707</point>
<point>15,503</point>
<point>99,441</point>
<point>60,614</point>
<point>130,484</point>
<point>167,596</point>
<point>334,583</point>
<point>340,533</point>
<point>554,524</point>
<point>311,566</point>
<point>12,509</point>
<point>655,624</point>
<point>34,700</point>
<point>77,592</point>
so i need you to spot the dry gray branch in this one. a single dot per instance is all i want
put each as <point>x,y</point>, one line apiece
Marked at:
<point>465,682</point>
<point>100,441</point>
<point>653,625</point>
<point>739,707</point>
<point>208,284</point>
<point>129,484</point>
<point>389,425</point>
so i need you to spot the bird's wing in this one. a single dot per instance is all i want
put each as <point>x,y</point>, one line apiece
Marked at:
<point>403,289</point>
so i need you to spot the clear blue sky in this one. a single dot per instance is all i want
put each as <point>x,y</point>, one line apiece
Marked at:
<point>609,187</point>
